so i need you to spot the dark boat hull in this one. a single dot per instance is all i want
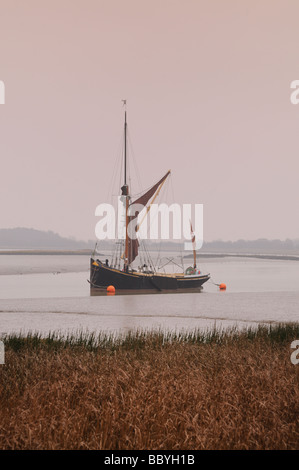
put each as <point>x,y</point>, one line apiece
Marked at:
<point>102,276</point>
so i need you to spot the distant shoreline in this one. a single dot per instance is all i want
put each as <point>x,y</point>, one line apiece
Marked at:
<point>200,254</point>
<point>247,255</point>
<point>46,252</point>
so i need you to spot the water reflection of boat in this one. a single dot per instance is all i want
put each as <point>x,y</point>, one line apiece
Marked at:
<point>119,271</point>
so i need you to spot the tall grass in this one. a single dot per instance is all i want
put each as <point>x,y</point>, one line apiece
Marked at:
<point>55,340</point>
<point>213,389</point>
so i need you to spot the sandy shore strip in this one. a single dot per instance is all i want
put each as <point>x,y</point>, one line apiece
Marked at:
<point>14,262</point>
<point>43,263</point>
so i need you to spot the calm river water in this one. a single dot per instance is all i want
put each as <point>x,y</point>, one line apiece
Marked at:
<point>51,293</point>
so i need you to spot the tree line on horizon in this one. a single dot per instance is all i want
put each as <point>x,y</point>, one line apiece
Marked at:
<point>29,238</point>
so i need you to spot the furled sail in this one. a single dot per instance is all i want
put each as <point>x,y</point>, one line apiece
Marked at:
<point>193,245</point>
<point>133,244</point>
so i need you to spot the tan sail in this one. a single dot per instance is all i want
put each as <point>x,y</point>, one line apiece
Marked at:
<point>133,244</point>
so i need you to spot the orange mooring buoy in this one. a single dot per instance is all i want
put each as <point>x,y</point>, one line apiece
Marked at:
<point>110,290</point>
<point>222,286</point>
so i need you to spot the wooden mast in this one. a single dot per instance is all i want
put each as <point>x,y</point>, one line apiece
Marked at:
<point>125,148</point>
<point>193,246</point>
<point>125,189</point>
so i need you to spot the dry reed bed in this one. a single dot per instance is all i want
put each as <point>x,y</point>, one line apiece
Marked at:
<point>218,390</point>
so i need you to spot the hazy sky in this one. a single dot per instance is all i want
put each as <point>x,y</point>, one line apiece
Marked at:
<point>208,91</point>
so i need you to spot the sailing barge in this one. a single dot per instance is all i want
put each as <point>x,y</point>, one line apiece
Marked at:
<point>121,275</point>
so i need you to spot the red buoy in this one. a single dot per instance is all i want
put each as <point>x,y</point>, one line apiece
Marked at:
<point>110,290</point>
<point>222,286</point>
